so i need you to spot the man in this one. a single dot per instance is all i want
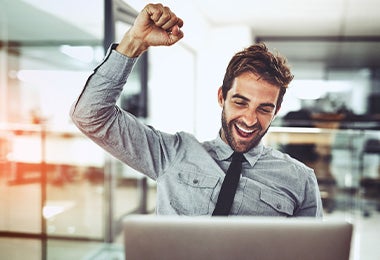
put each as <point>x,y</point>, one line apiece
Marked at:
<point>190,174</point>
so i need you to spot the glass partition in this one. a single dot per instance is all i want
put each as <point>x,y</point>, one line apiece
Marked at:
<point>52,181</point>
<point>342,161</point>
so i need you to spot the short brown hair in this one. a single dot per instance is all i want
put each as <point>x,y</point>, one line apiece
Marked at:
<point>272,68</point>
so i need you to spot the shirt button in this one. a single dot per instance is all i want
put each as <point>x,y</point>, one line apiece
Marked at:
<point>195,181</point>
<point>278,206</point>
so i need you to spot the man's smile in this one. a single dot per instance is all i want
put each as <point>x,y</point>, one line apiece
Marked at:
<point>244,132</point>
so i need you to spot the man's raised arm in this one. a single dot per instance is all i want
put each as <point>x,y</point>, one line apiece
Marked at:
<point>95,111</point>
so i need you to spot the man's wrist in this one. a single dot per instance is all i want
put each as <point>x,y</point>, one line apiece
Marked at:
<point>131,47</point>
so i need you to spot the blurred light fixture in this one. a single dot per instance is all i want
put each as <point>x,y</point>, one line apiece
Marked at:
<point>81,53</point>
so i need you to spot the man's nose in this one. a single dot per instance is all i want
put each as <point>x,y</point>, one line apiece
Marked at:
<point>250,118</point>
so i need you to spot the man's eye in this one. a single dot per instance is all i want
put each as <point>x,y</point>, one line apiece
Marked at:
<point>239,103</point>
<point>266,110</point>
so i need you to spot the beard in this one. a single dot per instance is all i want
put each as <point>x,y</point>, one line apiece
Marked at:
<point>240,145</point>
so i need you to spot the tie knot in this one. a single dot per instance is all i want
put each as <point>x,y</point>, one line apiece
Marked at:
<point>238,157</point>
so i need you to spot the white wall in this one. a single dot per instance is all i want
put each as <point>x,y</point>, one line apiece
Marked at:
<point>171,89</point>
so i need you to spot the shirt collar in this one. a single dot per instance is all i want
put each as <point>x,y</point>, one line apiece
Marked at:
<point>224,151</point>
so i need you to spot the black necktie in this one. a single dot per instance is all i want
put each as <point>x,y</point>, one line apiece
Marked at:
<point>230,183</point>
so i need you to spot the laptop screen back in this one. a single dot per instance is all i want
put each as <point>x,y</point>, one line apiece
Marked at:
<point>152,237</point>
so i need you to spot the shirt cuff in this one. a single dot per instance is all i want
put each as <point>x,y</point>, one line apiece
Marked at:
<point>115,65</point>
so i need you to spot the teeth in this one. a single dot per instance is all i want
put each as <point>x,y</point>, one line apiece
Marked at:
<point>245,130</point>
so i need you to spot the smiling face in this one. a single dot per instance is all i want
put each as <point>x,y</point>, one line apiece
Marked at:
<point>248,110</point>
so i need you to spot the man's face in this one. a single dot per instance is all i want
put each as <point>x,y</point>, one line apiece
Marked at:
<point>248,110</point>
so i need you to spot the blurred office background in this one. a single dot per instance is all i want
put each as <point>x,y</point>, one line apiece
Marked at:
<point>62,197</point>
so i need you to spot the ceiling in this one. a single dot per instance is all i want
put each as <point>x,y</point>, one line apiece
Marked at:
<point>335,33</point>
<point>297,17</point>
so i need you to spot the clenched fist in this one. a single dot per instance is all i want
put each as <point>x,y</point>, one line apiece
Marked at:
<point>155,25</point>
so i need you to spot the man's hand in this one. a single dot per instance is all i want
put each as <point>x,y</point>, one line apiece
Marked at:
<point>155,25</point>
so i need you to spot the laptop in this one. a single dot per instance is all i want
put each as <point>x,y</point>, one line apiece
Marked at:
<point>235,238</point>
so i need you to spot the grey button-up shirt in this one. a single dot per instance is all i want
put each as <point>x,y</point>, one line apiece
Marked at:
<point>188,173</point>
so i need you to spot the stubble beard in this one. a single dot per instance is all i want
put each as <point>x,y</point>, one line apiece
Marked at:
<point>242,146</point>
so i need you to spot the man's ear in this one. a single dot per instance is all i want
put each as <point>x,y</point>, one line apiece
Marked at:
<point>220,97</point>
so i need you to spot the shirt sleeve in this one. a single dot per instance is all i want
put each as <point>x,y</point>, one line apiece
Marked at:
<point>312,203</point>
<point>124,136</point>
